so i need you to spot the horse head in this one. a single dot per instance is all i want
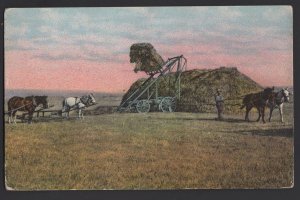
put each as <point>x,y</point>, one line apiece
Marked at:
<point>42,100</point>
<point>286,94</point>
<point>34,103</point>
<point>91,99</point>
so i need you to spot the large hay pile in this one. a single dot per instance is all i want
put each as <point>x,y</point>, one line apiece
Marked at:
<point>198,88</point>
<point>145,57</point>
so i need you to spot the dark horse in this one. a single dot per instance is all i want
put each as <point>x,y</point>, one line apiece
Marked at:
<point>259,101</point>
<point>25,104</point>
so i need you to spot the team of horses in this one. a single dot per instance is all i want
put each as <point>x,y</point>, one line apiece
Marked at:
<point>30,103</point>
<point>266,98</point>
<point>260,100</point>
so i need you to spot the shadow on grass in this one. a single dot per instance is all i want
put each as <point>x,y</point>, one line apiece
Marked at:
<point>280,132</point>
<point>230,120</point>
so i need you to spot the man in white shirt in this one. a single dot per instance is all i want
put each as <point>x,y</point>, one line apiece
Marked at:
<point>219,104</point>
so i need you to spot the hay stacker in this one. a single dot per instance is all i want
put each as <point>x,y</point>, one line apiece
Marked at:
<point>146,95</point>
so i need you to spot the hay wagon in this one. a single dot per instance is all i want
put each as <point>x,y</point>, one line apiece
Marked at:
<point>146,96</point>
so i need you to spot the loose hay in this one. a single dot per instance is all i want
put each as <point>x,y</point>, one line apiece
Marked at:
<point>145,57</point>
<point>199,86</point>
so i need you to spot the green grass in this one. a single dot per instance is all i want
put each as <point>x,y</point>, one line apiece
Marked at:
<point>150,151</point>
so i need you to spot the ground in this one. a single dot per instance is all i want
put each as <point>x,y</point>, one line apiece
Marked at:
<point>150,151</point>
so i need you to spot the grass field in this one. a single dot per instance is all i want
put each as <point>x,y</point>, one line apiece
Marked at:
<point>150,151</point>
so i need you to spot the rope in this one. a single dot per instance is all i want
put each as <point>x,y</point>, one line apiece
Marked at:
<point>238,98</point>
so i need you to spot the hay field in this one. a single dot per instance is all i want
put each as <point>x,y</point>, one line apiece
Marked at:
<point>150,151</point>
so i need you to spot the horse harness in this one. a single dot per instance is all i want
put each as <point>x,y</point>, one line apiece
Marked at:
<point>78,102</point>
<point>279,100</point>
<point>33,102</point>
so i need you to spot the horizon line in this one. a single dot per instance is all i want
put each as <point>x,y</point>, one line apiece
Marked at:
<point>62,90</point>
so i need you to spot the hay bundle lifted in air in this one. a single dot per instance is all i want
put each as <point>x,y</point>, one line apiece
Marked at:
<point>199,86</point>
<point>145,58</point>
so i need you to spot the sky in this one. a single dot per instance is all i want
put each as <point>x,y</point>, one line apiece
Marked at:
<point>88,48</point>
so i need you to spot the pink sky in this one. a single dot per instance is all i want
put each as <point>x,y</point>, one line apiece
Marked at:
<point>96,57</point>
<point>26,72</point>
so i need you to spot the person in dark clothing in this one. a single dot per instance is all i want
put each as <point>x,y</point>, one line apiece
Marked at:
<point>219,104</point>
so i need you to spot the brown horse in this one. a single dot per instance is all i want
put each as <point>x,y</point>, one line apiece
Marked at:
<point>259,101</point>
<point>25,104</point>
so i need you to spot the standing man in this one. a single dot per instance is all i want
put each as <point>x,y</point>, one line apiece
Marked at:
<point>219,104</point>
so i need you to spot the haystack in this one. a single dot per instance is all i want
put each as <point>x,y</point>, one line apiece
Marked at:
<point>199,86</point>
<point>145,57</point>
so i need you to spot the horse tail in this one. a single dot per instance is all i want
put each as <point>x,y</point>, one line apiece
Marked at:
<point>63,107</point>
<point>243,104</point>
<point>10,105</point>
<point>64,104</point>
<point>247,100</point>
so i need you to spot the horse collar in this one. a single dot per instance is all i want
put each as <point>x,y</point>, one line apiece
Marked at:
<point>81,101</point>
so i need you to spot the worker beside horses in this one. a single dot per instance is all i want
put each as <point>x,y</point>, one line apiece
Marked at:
<point>219,104</point>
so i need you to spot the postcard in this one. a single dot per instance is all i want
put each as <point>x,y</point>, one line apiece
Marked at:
<point>149,98</point>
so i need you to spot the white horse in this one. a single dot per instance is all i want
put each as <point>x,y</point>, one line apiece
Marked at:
<point>78,103</point>
<point>278,100</point>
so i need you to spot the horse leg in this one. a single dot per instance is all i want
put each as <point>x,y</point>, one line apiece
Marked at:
<point>247,113</point>
<point>281,112</point>
<point>30,117</point>
<point>79,113</point>
<point>259,113</point>
<point>66,114</point>
<point>14,117</point>
<point>66,111</point>
<point>9,117</point>
<point>271,111</point>
<point>263,114</point>
<point>63,112</point>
